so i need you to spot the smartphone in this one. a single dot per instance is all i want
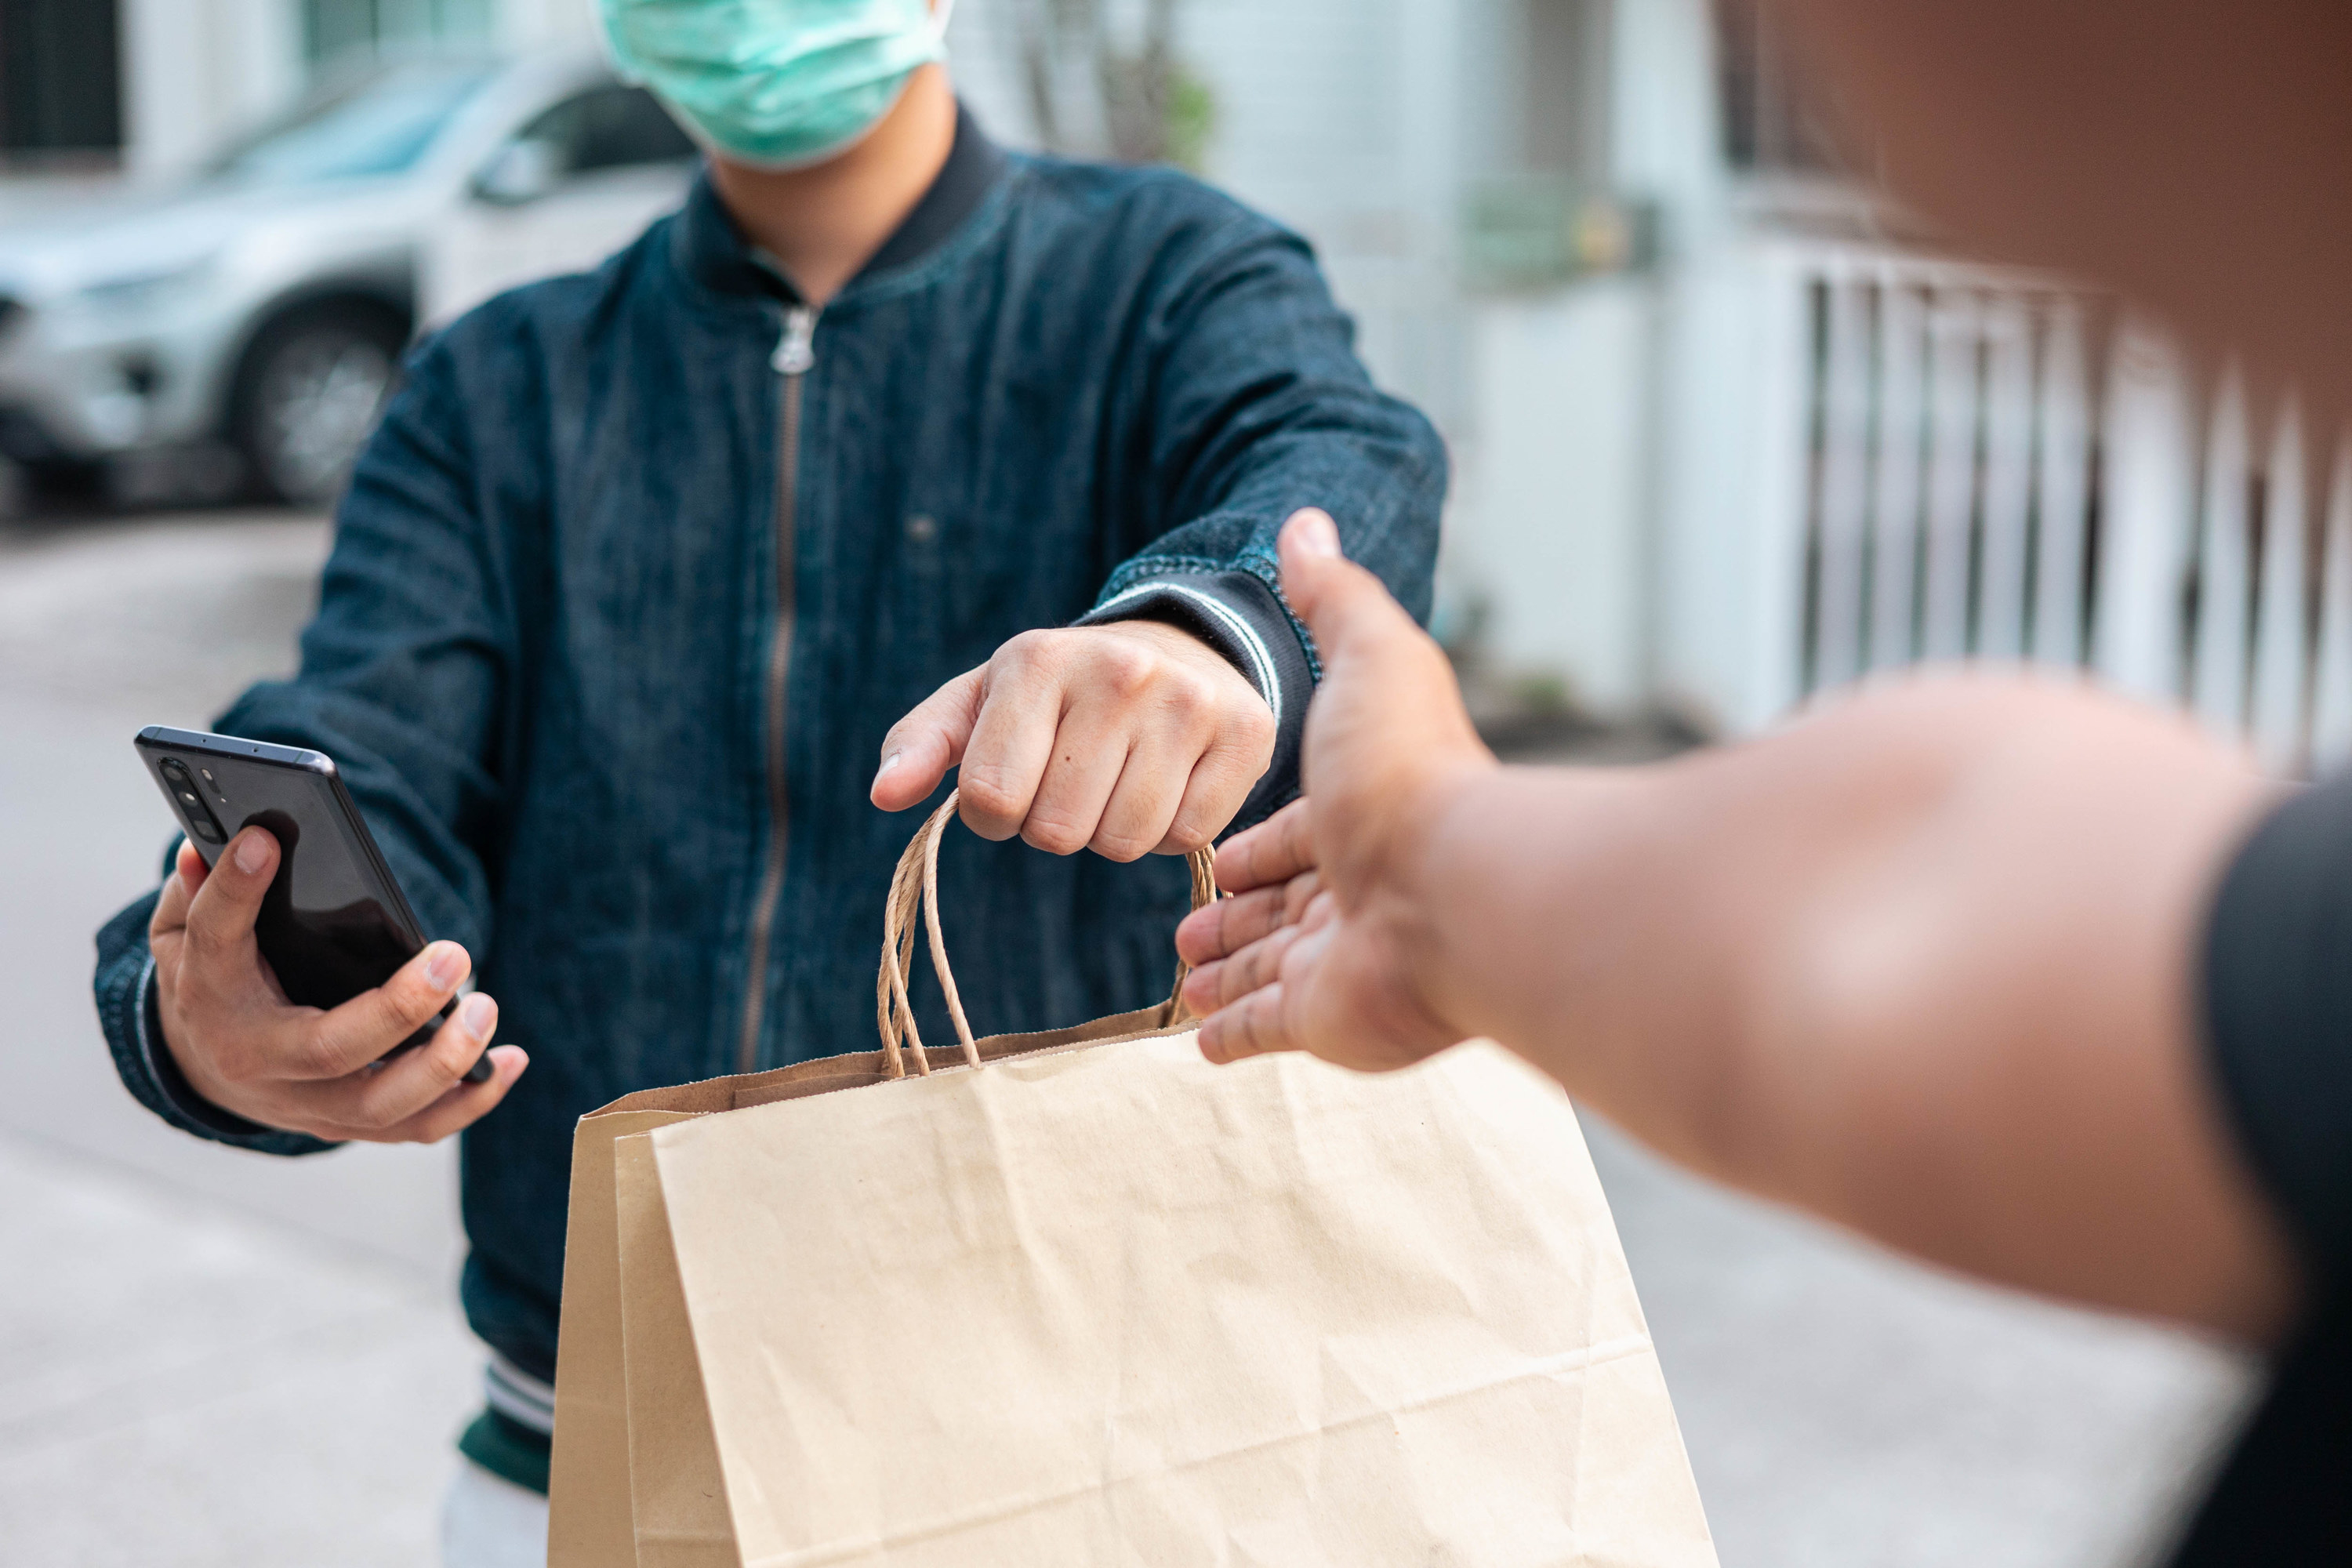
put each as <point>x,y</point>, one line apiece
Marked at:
<point>334,923</point>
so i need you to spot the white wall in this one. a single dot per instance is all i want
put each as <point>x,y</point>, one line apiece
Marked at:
<point>1545,534</point>
<point>198,71</point>
<point>1665,135</point>
<point>1339,118</point>
<point>1727,618</point>
<point>529,24</point>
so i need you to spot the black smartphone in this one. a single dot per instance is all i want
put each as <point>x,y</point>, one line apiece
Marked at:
<point>334,923</point>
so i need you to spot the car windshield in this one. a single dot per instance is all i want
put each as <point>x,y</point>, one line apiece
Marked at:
<point>382,124</point>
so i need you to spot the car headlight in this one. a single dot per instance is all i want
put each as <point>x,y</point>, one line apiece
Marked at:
<point>143,290</point>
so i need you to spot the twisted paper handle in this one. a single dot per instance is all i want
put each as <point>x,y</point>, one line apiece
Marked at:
<point>915,887</point>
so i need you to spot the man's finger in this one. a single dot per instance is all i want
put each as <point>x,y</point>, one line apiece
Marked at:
<point>1229,925</point>
<point>1273,852</point>
<point>222,911</point>
<point>1251,1028</point>
<point>1015,739</point>
<point>179,890</point>
<point>1220,781</point>
<point>1084,759</point>
<point>1144,800</point>
<point>462,1106</point>
<point>417,1079</point>
<point>350,1036</point>
<point>1317,908</point>
<point>921,747</point>
<point>1215,987</point>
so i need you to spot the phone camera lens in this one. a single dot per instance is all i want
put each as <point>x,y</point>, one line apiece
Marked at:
<point>200,819</point>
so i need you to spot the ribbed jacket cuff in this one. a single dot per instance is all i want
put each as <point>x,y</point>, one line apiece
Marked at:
<point>1237,613</point>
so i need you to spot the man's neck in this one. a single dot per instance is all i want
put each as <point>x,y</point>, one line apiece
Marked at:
<point>825,222</point>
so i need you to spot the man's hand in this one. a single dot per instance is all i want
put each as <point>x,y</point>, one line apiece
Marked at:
<point>1326,946</point>
<point>1130,739</point>
<point>249,1050</point>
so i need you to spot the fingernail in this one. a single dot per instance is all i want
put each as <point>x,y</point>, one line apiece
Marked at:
<point>479,1014</point>
<point>442,968</point>
<point>884,770</point>
<point>252,854</point>
<point>1316,533</point>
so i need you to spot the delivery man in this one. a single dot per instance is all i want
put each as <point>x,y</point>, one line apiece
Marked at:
<point>889,450</point>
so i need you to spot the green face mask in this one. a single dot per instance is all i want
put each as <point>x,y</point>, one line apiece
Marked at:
<point>778,84</point>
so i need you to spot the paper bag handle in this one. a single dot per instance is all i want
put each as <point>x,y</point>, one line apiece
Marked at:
<point>916,886</point>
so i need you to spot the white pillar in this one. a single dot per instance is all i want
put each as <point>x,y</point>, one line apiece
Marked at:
<point>1665,117</point>
<point>537,24</point>
<point>196,72</point>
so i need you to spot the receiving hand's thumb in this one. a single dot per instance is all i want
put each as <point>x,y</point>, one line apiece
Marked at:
<point>1340,601</point>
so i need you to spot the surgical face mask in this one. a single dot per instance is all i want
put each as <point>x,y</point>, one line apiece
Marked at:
<point>776,84</point>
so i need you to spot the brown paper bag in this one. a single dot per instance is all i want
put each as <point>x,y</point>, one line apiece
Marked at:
<point>1083,1299</point>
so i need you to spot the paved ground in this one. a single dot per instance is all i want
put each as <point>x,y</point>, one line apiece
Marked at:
<point>208,1359</point>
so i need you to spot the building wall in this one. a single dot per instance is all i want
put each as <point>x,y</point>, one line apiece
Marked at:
<point>1336,117</point>
<point>197,72</point>
<point>1545,551</point>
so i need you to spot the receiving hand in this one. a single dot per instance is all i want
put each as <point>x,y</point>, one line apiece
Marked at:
<point>1326,947</point>
<point>247,1049</point>
<point>1131,738</point>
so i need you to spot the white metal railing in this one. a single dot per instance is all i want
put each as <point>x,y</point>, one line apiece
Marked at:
<point>1949,471</point>
<point>1950,462</point>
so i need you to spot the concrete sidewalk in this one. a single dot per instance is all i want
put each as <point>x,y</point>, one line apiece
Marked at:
<point>181,1383</point>
<point>214,1359</point>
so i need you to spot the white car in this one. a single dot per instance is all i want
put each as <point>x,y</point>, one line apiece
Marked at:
<point>264,303</point>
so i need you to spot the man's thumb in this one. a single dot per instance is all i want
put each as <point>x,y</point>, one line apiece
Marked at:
<point>921,747</point>
<point>224,906</point>
<point>1337,598</point>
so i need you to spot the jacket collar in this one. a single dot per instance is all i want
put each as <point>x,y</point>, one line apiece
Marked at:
<point>712,250</point>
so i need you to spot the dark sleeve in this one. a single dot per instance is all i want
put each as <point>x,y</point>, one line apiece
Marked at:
<point>2278,1018</point>
<point>2284,1494</point>
<point>1258,406</point>
<point>2278,1015</point>
<point>403,677</point>
<point>125,986</point>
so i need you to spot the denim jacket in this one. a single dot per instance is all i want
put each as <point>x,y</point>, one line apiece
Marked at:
<point>641,564</point>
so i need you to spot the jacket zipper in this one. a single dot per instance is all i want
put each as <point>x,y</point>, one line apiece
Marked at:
<point>795,353</point>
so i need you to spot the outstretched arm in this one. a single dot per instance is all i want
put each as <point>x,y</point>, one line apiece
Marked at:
<point>1175,707</point>
<point>1922,965</point>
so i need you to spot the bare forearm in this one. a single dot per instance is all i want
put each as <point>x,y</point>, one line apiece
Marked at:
<point>1923,965</point>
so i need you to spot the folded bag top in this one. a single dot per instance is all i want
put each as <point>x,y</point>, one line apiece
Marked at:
<point>1091,1301</point>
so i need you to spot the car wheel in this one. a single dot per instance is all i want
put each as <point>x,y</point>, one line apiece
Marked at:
<point>308,396</point>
